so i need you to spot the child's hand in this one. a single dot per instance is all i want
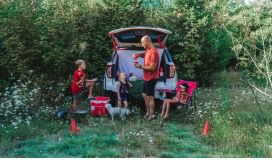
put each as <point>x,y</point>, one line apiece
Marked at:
<point>80,85</point>
<point>182,101</point>
<point>95,79</point>
<point>130,85</point>
<point>175,98</point>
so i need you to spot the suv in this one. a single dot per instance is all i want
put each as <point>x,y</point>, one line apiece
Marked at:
<point>126,42</point>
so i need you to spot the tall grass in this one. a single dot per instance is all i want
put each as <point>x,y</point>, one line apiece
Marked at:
<point>239,127</point>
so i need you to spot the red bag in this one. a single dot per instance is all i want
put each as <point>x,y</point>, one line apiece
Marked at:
<point>98,108</point>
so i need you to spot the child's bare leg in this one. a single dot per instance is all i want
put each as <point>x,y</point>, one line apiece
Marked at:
<point>126,104</point>
<point>75,105</point>
<point>163,107</point>
<point>168,107</point>
<point>90,85</point>
<point>167,110</point>
<point>119,103</point>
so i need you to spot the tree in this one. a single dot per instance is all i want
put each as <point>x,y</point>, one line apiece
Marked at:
<point>252,44</point>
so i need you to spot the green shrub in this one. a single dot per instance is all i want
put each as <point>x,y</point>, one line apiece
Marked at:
<point>25,102</point>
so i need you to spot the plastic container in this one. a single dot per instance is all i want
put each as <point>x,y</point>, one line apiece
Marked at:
<point>98,106</point>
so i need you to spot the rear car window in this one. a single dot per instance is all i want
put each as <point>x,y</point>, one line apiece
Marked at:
<point>135,36</point>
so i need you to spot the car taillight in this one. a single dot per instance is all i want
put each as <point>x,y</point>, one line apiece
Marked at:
<point>161,72</point>
<point>109,69</point>
<point>172,71</point>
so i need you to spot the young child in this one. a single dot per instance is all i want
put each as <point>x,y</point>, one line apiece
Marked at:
<point>79,83</point>
<point>122,89</point>
<point>181,97</point>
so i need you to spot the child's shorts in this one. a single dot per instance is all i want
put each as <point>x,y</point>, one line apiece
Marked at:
<point>77,96</point>
<point>123,97</point>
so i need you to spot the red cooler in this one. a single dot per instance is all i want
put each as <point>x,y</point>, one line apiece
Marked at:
<point>98,106</point>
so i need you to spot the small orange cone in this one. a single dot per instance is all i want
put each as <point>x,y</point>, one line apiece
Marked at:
<point>205,129</point>
<point>73,126</point>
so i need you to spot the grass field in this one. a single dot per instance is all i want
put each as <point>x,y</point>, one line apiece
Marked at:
<point>239,127</point>
<point>101,137</point>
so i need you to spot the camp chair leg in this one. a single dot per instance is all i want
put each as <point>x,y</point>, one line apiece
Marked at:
<point>182,108</point>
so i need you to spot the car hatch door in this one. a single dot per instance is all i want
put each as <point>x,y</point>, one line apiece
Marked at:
<point>131,37</point>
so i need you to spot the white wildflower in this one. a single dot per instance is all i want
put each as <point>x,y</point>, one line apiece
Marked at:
<point>35,90</point>
<point>15,92</point>
<point>14,124</point>
<point>215,113</point>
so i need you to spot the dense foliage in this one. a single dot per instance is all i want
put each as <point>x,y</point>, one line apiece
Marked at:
<point>40,40</point>
<point>46,37</point>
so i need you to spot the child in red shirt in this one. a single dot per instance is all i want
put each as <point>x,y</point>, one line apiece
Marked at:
<point>79,82</point>
<point>181,97</point>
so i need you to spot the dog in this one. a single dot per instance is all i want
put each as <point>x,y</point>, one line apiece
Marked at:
<point>113,111</point>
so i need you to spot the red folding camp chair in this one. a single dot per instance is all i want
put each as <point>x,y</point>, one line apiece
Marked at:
<point>192,86</point>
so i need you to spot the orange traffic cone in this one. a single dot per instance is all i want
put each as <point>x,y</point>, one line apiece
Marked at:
<point>73,126</point>
<point>205,129</point>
